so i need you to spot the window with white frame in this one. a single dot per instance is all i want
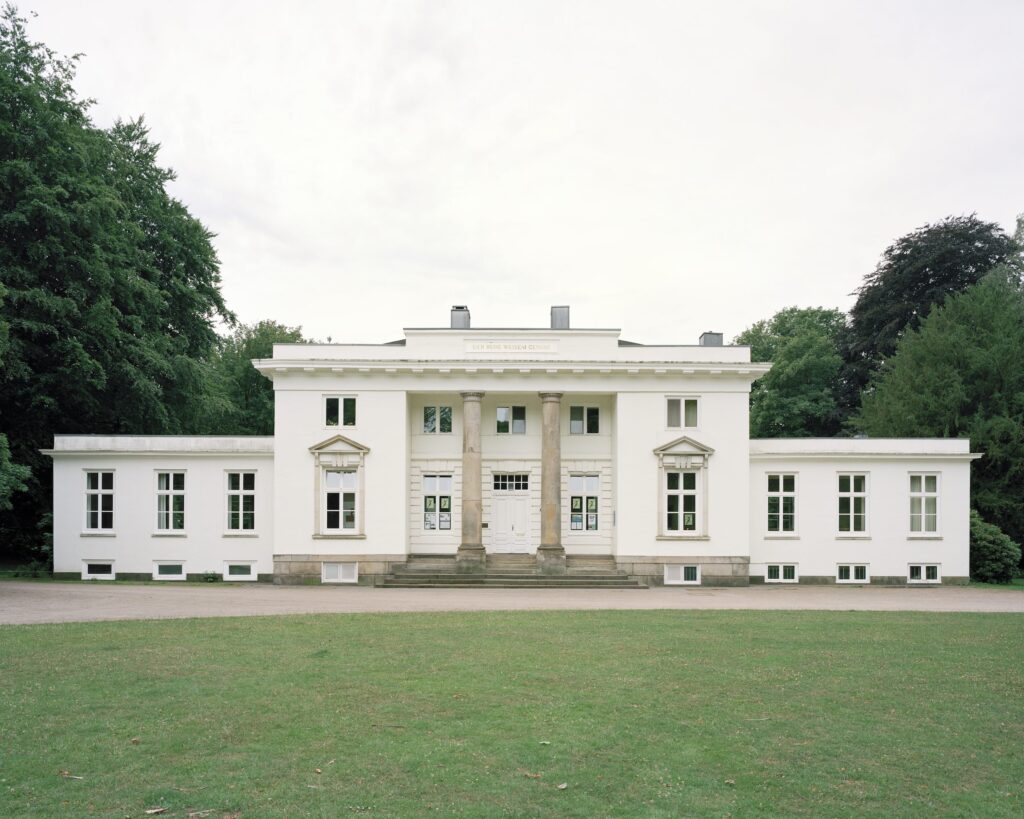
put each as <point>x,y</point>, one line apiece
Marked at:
<point>781,573</point>
<point>681,413</point>
<point>781,504</point>
<point>339,573</point>
<point>437,502</point>
<point>98,570</point>
<point>99,499</point>
<point>681,493</point>
<point>853,503</point>
<point>511,420</point>
<point>238,570</point>
<point>584,491</point>
<point>437,419</point>
<point>339,410</point>
<point>852,573</point>
<point>170,501</point>
<point>340,510</point>
<point>924,573</point>
<point>241,501</point>
<point>168,570</point>
<point>681,574</point>
<point>924,504</point>
<point>584,420</point>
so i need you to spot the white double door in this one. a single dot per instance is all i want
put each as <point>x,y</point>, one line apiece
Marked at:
<point>510,522</point>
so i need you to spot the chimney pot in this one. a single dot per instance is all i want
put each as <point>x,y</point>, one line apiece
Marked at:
<point>460,317</point>
<point>710,339</point>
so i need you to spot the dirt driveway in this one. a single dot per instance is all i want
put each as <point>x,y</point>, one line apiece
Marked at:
<point>40,602</point>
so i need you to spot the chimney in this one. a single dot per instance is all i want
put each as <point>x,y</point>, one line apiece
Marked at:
<point>460,317</point>
<point>710,339</point>
<point>560,317</point>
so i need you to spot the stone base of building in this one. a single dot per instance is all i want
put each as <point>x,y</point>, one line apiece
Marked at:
<point>307,569</point>
<point>730,570</point>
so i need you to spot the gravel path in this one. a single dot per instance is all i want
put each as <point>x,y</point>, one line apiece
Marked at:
<point>34,602</point>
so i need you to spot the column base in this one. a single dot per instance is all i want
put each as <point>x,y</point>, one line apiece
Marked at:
<point>551,559</point>
<point>470,559</point>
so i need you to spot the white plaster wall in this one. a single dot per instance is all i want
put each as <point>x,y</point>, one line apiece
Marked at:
<point>134,544</point>
<point>888,547</point>
<point>641,428</point>
<point>381,425</point>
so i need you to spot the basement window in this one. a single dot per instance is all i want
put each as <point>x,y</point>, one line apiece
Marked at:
<point>852,573</point>
<point>239,570</point>
<point>340,573</point>
<point>924,573</point>
<point>681,575</point>
<point>168,570</point>
<point>98,570</point>
<point>781,573</point>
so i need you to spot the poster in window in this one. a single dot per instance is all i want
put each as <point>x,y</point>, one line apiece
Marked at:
<point>446,503</point>
<point>428,521</point>
<point>446,520</point>
<point>577,504</point>
<point>688,518</point>
<point>591,522</point>
<point>429,504</point>
<point>591,504</point>
<point>576,522</point>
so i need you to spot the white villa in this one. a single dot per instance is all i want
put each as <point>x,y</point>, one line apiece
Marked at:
<point>481,454</point>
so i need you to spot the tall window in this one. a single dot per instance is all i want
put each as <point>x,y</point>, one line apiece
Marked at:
<point>437,502</point>
<point>99,500</point>
<point>681,501</point>
<point>682,413</point>
<point>584,420</point>
<point>924,503</point>
<point>241,501</point>
<point>339,411</point>
<point>170,501</point>
<point>511,419</point>
<point>781,503</point>
<point>340,489</point>
<point>437,419</point>
<point>583,503</point>
<point>853,503</point>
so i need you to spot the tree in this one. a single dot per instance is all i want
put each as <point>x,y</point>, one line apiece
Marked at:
<point>111,287</point>
<point>916,272</point>
<point>250,395</point>
<point>959,375</point>
<point>797,398</point>
<point>994,556</point>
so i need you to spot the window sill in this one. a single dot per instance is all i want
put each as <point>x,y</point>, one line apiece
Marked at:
<point>782,537</point>
<point>169,534</point>
<point>925,537</point>
<point>853,537</point>
<point>240,534</point>
<point>98,534</point>
<point>683,537</point>
<point>339,537</point>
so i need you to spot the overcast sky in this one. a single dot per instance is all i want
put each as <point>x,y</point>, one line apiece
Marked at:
<point>665,168</point>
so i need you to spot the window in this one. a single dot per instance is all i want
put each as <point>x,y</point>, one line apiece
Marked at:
<point>339,408</point>
<point>437,502</point>
<point>511,419</point>
<point>682,412</point>
<point>168,570</point>
<point>780,573</point>
<point>437,419</point>
<point>782,503</point>
<point>340,500</point>
<point>584,420</point>
<point>98,570</point>
<point>924,504</point>
<point>680,575</point>
<point>99,500</point>
<point>681,501</point>
<point>241,501</point>
<point>239,570</point>
<point>853,573</point>
<point>339,573</point>
<point>511,482</point>
<point>583,494</point>
<point>853,503</point>
<point>924,573</point>
<point>170,501</point>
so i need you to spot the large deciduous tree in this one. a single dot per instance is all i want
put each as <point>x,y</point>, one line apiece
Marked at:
<point>798,397</point>
<point>960,375</point>
<point>111,287</point>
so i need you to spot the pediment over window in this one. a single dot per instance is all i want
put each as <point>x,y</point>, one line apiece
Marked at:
<point>684,453</point>
<point>339,451</point>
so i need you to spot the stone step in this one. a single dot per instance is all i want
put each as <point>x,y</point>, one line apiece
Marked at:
<point>513,581</point>
<point>535,584</point>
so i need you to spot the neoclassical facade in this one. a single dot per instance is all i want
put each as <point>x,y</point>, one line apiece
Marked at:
<point>458,445</point>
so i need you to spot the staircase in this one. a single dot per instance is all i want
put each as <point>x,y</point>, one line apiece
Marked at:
<point>515,571</point>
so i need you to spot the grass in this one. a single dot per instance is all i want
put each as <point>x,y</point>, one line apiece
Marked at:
<point>486,714</point>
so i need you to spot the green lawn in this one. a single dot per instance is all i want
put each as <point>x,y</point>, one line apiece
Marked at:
<point>637,713</point>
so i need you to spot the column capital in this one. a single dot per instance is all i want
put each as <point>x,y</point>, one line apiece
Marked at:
<point>550,397</point>
<point>471,396</point>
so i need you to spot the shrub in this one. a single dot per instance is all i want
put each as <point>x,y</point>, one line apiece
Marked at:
<point>994,557</point>
<point>214,577</point>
